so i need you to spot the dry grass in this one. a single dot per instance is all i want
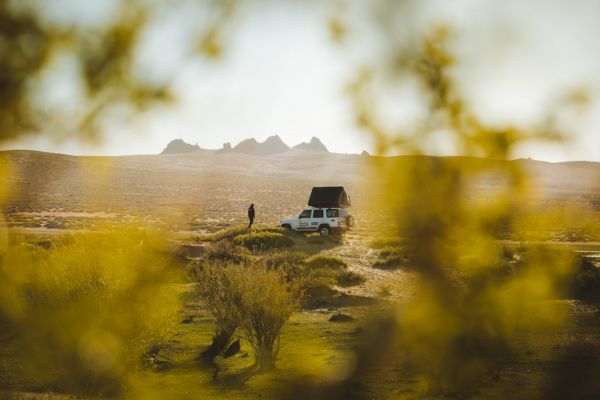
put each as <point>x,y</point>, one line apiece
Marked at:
<point>261,241</point>
<point>326,262</point>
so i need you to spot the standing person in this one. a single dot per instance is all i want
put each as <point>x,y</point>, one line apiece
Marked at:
<point>251,215</point>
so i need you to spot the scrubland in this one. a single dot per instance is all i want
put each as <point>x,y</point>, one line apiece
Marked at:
<point>150,286</point>
<point>125,313</point>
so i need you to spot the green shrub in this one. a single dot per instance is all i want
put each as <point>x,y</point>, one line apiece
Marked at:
<point>226,251</point>
<point>332,239</point>
<point>215,289</point>
<point>230,232</point>
<point>392,252</point>
<point>276,260</point>
<point>257,300</point>
<point>89,310</point>
<point>389,262</point>
<point>586,284</point>
<point>234,231</point>
<point>291,263</point>
<point>317,292</point>
<point>275,229</point>
<point>386,242</point>
<point>265,302</point>
<point>326,262</point>
<point>349,278</point>
<point>260,241</point>
<point>391,257</point>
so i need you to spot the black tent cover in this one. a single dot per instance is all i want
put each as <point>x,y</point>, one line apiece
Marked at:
<point>329,196</point>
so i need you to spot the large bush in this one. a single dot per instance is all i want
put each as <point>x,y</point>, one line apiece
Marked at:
<point>257,300</point>
<point>214,286</point>
<point>265,301</point>
<point>89,311</point>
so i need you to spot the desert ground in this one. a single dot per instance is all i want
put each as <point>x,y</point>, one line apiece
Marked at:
<point>196,197</point>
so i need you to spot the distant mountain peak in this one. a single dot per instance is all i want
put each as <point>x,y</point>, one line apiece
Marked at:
<point>225,149</point>
<point>274,139</point>
<point>178,146</point>
<point>314,144</point>
<point>272,145</point>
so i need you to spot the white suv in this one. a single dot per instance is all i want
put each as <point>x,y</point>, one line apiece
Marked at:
<point>323,220</point>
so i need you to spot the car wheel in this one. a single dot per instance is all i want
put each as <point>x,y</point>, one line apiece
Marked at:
<point>287,226</point>
<point>324,230</point>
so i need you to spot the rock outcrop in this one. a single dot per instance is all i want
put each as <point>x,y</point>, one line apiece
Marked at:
<point>272,145</point>
<point>178,146</point>
<point>225,149</point>
<point>314,144</point>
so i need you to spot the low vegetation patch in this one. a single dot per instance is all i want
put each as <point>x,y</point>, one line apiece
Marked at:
<point>386,242</point>
<point>260,241</point>
<point>230,233</point>
<point>317,293</point>
<point>339,317</point>
<point>290,263</point>
<point>226,251</point>
<point>384,291</point>
<point>326,262</point>
<point>238,230</point>
<point>316,239</point>
<point>391,258</point>
<point>276,260</point>
<point>586,285</point>
<point>349,278</point>
<point>389,262</point>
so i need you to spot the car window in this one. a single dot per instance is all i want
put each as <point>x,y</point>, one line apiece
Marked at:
<point>333,213</point>
<point>318,214</point>
<point>305,214</point>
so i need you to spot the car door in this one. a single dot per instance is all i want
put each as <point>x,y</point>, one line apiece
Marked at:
<point>317,219</point>
<point>304,220</point>
<point>333,217</point>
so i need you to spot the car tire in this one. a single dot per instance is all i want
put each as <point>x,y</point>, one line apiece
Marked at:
<point>324,230</point>
<point>349,221</point>
<point>287,226</point>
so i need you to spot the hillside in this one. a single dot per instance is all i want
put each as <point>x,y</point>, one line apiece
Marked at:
<point>202,185</point>
<point>58,191</point>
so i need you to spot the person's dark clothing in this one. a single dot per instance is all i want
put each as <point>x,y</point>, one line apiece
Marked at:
<point>251,215</point>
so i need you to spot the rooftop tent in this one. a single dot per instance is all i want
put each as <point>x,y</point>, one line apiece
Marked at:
<point>329,196</point>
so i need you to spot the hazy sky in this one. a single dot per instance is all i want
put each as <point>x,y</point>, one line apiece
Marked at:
<point>282,74</point>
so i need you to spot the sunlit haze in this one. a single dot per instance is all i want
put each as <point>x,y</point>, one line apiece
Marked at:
<point>281,73</point>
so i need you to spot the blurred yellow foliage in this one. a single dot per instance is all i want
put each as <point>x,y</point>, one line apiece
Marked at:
<point>89,309</point>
